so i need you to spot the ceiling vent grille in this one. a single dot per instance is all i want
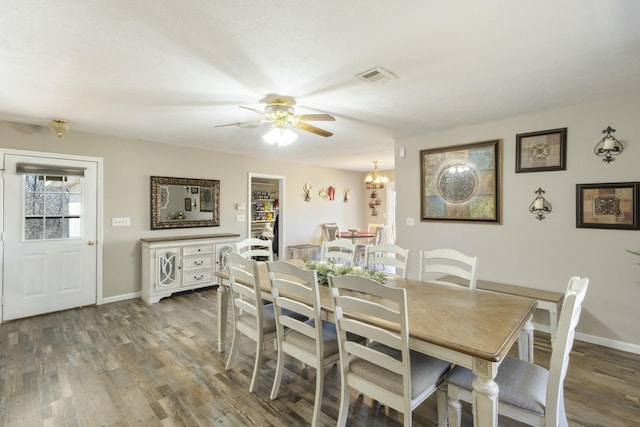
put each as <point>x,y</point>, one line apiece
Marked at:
<point>377,75</point>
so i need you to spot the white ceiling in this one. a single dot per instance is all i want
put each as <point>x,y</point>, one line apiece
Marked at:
<point>170,71</point>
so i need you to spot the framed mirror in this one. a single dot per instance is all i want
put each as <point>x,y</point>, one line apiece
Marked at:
<point>184,202</point>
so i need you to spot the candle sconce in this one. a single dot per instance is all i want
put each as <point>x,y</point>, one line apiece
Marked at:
<point>540,207</point>
<point>608,146</point>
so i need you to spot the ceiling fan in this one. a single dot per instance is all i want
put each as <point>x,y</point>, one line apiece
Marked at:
<point>280,113</point>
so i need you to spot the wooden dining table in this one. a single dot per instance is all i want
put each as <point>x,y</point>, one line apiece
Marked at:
<point>468,327</point>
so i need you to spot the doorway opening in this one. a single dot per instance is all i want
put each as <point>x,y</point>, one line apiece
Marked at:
<point>266,210</point>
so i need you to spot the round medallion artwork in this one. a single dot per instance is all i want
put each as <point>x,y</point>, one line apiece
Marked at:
<point>457,183</point>
<point>540,151</point>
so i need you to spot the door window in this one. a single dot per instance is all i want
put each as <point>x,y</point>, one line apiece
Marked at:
<point>52,207</point>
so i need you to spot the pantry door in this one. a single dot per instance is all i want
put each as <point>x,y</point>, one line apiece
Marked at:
<point>50,244</point>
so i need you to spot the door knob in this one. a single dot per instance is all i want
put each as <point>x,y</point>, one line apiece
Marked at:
<point>92,242</point>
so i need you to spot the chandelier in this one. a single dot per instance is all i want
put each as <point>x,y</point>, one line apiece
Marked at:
<point>376,178</point>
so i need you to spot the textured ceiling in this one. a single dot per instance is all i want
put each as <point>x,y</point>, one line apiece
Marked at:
<point>170,71</point>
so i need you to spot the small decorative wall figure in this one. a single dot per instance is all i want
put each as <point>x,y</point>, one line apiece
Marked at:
<point>323,193</point>
<point>307,192</point>
<point>331,192</point>
<point>346,195</point>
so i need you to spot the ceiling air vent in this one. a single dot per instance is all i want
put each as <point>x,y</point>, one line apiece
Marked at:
<point>377,75</point>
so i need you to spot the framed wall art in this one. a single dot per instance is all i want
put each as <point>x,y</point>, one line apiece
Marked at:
<point>610,205</point>
<point>541,151</point>
<point>462,183</point>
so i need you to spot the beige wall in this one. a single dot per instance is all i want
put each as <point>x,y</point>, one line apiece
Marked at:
<point>129,163</point>
<point>544,254</point>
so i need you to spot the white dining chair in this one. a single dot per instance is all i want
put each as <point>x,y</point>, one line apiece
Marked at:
<point>339,250</point>
<point>385,369</point>
<point>331,231</point>
<point>387,257</point>
<point>529,393</point>
<point>254,247</point>
<point>313,342</point>
<point>448,267</point>
<point>251,317</point>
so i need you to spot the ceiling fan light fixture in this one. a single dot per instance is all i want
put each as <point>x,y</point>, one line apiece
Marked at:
<point>280,136</point>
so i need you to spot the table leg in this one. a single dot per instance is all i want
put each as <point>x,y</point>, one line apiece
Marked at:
<point>485,394</point>
<point>223,303</point>
<point>525,342</point>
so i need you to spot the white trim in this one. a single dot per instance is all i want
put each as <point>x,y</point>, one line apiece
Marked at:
<point>123,297</point>
<point>606,342</point>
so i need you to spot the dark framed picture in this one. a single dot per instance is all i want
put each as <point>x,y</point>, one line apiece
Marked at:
<point>609,205</point>
<point>187,203</point>
<point>541,151</point>
<point>462,183</point>
<point>194,190</point>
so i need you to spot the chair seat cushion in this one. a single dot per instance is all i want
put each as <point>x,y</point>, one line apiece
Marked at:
<point>522,384</point>
<point>268,318</point>
<point>425,370</point>
<point>329,335</point>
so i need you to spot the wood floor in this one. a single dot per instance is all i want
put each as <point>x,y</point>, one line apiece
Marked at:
<point>128,363</point>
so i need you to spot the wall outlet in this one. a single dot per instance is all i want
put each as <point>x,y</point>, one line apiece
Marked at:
<point>121,222</point>
<point>410,221</point>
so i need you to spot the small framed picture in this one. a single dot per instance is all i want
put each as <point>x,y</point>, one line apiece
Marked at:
<point>541,151</point>
<point>187,203</point>
<point>610,205</point>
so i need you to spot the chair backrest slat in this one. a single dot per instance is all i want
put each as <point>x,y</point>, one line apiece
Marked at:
<point>339,250</point>
<point>440,262</point>
<point>385,255</point>
<point>254,247</point>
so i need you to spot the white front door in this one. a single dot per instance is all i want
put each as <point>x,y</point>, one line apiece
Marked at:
<point>50,223</point>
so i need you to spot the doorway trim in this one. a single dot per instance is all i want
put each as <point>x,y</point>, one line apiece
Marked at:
<point>99,212</point>
<point>281,220</point>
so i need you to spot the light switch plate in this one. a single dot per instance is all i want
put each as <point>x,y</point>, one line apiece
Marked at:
<point>121,222</point>
<point>239,218</point>
<point>240,206</point>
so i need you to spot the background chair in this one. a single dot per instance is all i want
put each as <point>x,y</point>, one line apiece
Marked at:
<point>529,393</point>
<point>331,231</point>
<point>250,316</point>
<point>313,342</point>
<point>385,256</point>
<point>254,248</point>
<point>381,233</point>
<point>436,264</point>
<point>339,250</point>
<point>386,369</point>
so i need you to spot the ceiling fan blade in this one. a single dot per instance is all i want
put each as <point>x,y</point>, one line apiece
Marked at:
<point>312,129</point>
<point>249,125</point>
<point>252,109</point>
<point>315,117</point>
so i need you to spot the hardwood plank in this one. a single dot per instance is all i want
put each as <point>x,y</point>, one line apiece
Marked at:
<point>129,363</point>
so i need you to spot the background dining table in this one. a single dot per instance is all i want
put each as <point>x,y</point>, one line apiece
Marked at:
<point>467,327</point>
<point>360,235</point>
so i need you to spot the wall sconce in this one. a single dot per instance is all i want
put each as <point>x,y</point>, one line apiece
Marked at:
<point>608,146</point>
<point>539,207</point>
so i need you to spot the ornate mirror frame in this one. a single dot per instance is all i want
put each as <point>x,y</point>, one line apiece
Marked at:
<point>199,202</point>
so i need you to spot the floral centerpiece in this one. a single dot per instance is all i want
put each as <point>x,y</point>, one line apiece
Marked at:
<point>324,269</point>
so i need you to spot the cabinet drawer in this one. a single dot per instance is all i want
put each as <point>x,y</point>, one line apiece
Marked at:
<point>197,249</point>
<point>193,262</point>
<point>195,277</point>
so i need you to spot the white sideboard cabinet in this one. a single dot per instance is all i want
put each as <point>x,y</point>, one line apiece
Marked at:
<point>181,263</point>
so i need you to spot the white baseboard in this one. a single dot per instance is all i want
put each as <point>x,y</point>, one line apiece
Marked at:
<point>122,297</point>
<point>606,342</point>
